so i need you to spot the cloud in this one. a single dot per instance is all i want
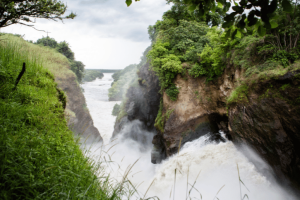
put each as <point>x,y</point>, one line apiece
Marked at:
<point>112,18</point>
<point>105,34</point>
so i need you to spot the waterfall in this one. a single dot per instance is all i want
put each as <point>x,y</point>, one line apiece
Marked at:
<point>204,169</point>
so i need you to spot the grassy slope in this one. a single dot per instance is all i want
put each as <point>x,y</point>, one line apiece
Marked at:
<point>39,158</point>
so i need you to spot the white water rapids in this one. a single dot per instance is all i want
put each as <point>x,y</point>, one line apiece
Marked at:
<point>211,168</point>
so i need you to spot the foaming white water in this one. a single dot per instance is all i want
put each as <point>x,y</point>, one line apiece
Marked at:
<point>217,163</point>
<point>96,95</point>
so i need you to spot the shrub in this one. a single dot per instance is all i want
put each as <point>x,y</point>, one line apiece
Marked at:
<point>116,110</point>
<point>239,94</point>
<point>172,92</point>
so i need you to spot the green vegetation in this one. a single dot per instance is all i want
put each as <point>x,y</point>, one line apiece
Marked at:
<point>162,117</point>
<point>172,92</point>
<point>185,41</point>
<point>285,86</point>
<point>116,110</point>
<point>40,158</point>
<point>122,112</point>
<point>122,80</point>
<point>19,12</point>
<point>179,38</point>
<point>259,15</point>
<point>63,47</point>
<point>239,94</point>
<point>159,121</point>
<point>91,75</point>
<point>106,70</point>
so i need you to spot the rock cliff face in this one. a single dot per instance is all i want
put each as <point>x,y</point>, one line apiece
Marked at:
<point>267,119</point>
<point>270,123</point>
<point>199,109</point>
<point>80,121</point>
<point>142,102</point>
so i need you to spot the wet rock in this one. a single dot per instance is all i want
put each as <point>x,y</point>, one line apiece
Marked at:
<point>270,124</point>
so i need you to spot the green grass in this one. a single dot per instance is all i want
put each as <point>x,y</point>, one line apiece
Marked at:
<point>239,94</point>
<point>40,158</point>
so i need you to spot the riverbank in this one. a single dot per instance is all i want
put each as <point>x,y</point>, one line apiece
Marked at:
<point>40,157</point>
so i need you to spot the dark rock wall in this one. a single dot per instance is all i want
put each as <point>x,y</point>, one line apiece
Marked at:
<point>142,101</point>
<point>270,124</point>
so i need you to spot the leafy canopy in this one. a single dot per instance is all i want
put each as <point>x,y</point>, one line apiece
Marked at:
<point>22,12</point>
<point>259,14</point>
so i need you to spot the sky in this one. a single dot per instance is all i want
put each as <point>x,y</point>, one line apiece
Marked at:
<point>106,34</point>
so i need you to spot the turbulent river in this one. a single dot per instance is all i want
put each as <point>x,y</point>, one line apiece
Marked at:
<point>201,170</point>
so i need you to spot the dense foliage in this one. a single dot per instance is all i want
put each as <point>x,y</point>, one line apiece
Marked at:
<point>63,47</point>
<point>256,14</point>
<point>185,41</point>
<point>22,12</point>
<point>178,40</point>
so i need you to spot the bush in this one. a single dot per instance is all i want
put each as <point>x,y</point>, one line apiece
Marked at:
<point>172,92</point>
<point>116,110</point>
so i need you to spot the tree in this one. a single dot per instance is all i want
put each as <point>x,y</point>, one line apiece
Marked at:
<point>78,68</point>
<point>22,12</point>
<point>47,41</point>
<point>259,14</point>
<point>63,48</point>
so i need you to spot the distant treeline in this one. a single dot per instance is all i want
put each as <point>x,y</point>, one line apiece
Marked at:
<point>91,75</point>
<point>106,70</point>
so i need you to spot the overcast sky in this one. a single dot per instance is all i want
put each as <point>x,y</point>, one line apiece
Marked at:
<point>106,34</point>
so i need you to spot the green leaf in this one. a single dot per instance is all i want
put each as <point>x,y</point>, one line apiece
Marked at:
<point>230,17</point>
<point>238,9</point>
<point>228,33</point>
<point>233,34</point>
<point>261,30</point>
<point>273,24</point>
<point>238,34</point>
<point>227,24</point>
<point>287,7</point>
<point>226,7</point>
<point>272,7</point>
<point>251,19</point>
<point>243,2</point>
<point>213,8</point>
<point>128,2</point>
<point>220,5</point>
<point>192,7</point>
<point>241,24</point>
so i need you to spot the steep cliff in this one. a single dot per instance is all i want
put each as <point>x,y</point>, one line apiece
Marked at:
<point>199,109</point>
<point>263,113</point>
<point>260,111</point>
<point>141,102</point>
<point>269,122</point>
<point>80,120</point>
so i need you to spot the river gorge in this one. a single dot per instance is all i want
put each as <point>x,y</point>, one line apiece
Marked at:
<point>202,169</point>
